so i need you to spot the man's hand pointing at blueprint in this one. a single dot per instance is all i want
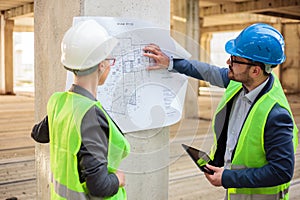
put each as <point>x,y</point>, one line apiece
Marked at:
<point>161,59</point>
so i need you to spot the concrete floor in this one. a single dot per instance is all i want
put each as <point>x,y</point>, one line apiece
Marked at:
<point>17,161</point>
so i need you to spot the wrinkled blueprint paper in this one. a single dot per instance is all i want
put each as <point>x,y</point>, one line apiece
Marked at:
<point>135,98</point>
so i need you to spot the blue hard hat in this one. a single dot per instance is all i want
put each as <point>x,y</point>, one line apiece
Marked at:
<point>258,42</point>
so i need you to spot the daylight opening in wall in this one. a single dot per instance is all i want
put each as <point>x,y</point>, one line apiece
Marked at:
<point>218,55</point>
<point>23,61</point>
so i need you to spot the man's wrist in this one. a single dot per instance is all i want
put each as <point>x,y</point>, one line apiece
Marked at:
<point>170,67</point>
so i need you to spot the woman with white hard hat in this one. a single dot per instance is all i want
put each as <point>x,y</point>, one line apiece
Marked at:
<point>86,147</point>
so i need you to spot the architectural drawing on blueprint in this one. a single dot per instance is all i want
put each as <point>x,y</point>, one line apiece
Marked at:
<point>136,98</point>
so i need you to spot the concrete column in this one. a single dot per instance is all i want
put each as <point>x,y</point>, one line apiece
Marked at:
<point>8,46</point>
<point>147,167</point>
<point>51,20</point>
<point>290,69</point>
<point>205,39</point>
<point>2,56</point>
<point>278,70</point>
<point>192,45</point>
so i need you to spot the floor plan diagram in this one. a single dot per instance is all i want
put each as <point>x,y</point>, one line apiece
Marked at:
<point>136,98</point>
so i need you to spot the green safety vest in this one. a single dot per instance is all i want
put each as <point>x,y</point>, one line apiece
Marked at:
<point>252,137</point>
<point>65,113</point>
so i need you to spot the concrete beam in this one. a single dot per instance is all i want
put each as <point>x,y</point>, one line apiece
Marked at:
<point>225,28</point>
<point>247,6</point>
<point>21,11</point>
<point>21,28</point>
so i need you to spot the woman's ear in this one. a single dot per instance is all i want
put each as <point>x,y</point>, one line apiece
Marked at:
<point>101,67</point>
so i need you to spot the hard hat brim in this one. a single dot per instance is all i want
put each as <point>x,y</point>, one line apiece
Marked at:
<point>231,49</point>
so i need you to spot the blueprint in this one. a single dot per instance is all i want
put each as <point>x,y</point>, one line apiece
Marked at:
<point>134,97</point>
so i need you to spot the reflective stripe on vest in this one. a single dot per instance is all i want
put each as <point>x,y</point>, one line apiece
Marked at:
<point>242,193</point>
<point>280,195</point>
<point>66,193</point>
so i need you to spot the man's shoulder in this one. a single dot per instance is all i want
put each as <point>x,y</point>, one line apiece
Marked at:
<point>279,113</point>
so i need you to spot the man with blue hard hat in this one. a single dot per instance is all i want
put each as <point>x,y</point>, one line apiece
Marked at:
<point>255,133</point>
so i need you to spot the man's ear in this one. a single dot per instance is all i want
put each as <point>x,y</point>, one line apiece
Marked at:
<point>257,70</point>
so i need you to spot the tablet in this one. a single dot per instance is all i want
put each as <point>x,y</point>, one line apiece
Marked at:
<point>196,154</point>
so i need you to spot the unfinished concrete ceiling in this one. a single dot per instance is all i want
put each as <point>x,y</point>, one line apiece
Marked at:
<point>21,11</point>
<point>213,12</point>
<point>16,8</point>
<point>230,12</point>
<point>278,8</point>
<point>9,4</point>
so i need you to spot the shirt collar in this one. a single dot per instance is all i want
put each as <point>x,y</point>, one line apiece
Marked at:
<point>80,90</point>
<point>251,96</point>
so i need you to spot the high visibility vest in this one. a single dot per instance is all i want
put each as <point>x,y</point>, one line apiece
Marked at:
<point>250,151</point>
<point>65,113</point>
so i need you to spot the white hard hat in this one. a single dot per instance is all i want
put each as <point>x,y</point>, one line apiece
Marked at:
<point>85,45</point>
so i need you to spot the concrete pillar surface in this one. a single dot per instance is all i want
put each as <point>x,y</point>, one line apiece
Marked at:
<point>2,56</point>
<point>52,19</point>
<point>8,51</point>
<point>290,69</point>
<point>193,46</point>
